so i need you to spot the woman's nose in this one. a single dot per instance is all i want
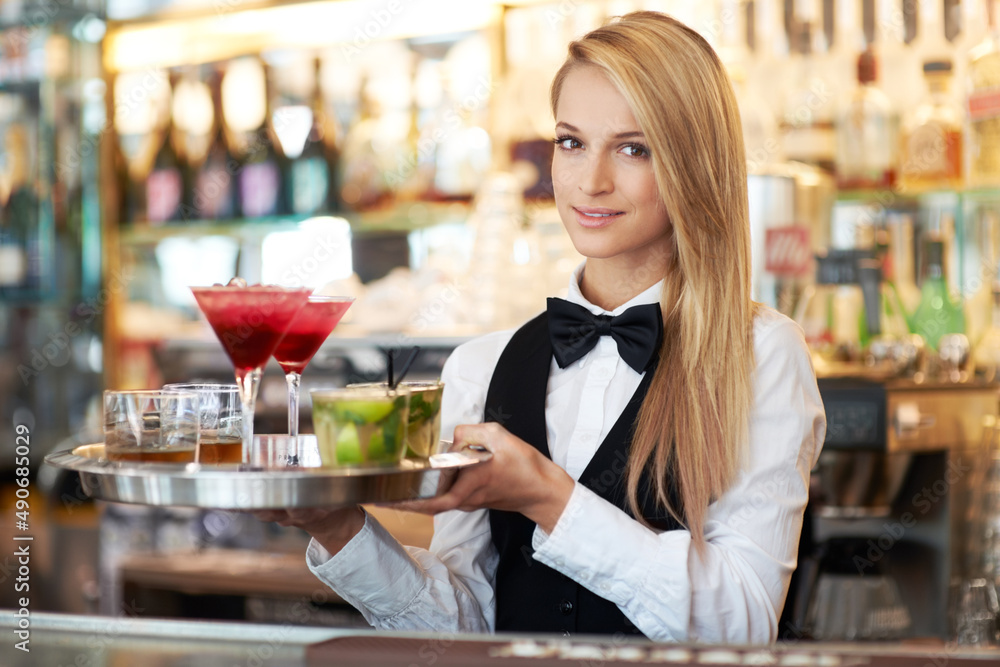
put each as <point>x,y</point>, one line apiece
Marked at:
<point>595,175</point>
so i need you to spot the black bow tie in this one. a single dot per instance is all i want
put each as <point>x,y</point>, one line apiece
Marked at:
<point>574,331</point>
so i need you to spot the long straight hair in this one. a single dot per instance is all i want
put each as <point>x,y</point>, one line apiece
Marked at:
<point>694,422</point>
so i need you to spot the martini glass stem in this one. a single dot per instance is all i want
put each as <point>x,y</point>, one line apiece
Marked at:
<point>292,379</point>
<point>248,383</point>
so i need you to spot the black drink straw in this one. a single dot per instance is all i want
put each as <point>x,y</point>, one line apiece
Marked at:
<point>406,366</point>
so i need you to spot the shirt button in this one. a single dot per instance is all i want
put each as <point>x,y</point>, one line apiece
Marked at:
<point>565,607</point>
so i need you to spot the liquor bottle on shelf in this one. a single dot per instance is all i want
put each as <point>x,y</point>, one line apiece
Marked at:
<point>761,138</point>
<point>290,117</point>
<point>212,195</point>
<point>831,313</point>
<point>131,187</point>
<point>768,67</point>
<point>191,109</point>
<point>732,45</point>
<point>894,316</point>
<point>360,172</point>
<point>930,43</point>
<point>973,28</point>
<point>884,318</point>
<point>193,116</point>
<point>463,156</point>
<point>309,169</point>
<point>938,313</point>
<point>760,128</point>
<point>930,156</point>
<point>416,179</point>
<point>808,119</point>
<point>986,352</point>
<point>165,183</point>
<point>866,132</point>
<point>328,128</point>
<point>848,41</point>
<point>983,134</point>
<point>984,239</point>
<point>258,178</point>
<point>137,125</point>
<point>19,233</point>
<point>898,58</point>
<point>131,193</point>
<point>900,275</point>
<point>870,282</point>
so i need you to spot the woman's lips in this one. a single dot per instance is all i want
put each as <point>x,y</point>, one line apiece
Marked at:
<point>592,217</point>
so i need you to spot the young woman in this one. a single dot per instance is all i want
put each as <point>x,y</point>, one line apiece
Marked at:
<point>652,435</point>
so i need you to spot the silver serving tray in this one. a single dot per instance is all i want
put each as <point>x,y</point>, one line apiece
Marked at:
<point>241,487</point>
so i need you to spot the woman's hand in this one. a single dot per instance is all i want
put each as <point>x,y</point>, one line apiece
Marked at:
<point>331,528</point>
<point>518,479</point>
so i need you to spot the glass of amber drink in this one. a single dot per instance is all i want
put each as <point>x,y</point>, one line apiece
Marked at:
<point>151,426</point>
<point>221,416</point>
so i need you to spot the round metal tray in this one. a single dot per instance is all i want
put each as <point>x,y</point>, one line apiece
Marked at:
<point>241,487</point>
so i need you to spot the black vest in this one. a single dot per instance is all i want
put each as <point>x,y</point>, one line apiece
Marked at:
<point>530,596</point>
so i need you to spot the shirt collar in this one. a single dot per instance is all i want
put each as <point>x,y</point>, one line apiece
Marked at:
<point>574,295</point>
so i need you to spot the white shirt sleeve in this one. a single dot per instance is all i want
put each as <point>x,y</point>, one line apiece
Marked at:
<point>735,592</point>
<point>450,586</point>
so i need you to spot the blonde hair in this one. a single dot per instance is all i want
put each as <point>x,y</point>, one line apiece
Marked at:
<point>694,422</point>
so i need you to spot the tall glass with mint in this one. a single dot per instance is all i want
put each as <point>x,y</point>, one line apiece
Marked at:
<point>423,431</point>
<point>360,425</point>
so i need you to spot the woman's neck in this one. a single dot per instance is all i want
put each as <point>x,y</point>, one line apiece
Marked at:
<point>609,284</point>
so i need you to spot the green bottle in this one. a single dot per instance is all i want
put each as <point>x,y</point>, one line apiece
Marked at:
<point>937,314</point>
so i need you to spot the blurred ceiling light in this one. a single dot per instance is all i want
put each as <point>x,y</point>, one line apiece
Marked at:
<point>351,25</point>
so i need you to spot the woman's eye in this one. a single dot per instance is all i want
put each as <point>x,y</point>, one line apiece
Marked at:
<point>635,150</point>
<point>567,143</point>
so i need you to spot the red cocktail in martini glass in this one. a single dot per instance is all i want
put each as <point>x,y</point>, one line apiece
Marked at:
<point>249,322</point>
<point>301,341</point>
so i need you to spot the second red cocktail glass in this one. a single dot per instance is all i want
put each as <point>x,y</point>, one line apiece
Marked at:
<point>301,341</point>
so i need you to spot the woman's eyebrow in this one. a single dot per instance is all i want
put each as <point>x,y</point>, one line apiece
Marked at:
<point>621,135</point>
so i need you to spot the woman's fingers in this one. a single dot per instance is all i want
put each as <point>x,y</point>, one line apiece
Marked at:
<point>473,436</point>
<point>466,482</point>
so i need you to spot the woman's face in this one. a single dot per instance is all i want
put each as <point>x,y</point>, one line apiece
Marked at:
<point>602,173</point>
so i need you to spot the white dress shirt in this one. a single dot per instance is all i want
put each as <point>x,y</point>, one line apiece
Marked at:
<point>733,594</point>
